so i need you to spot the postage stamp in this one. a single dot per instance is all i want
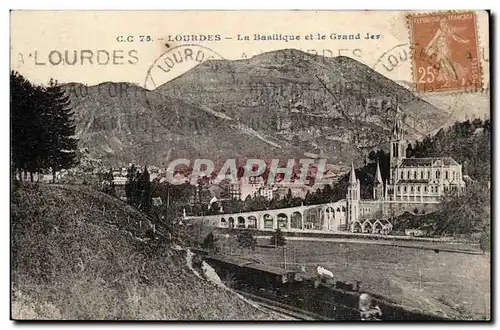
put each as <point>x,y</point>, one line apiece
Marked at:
<point>445,51</point>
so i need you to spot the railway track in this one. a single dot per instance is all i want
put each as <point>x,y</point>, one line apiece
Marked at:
<point>278,307</point>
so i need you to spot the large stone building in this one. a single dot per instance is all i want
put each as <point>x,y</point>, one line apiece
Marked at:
<point>415,185</point>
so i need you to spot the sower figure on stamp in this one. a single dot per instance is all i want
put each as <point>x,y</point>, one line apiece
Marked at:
<point>440,46</point>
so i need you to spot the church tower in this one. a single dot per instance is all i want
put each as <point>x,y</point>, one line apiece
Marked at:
<point>353,197</point>
<point>378,185</point>
<point>398,145</point>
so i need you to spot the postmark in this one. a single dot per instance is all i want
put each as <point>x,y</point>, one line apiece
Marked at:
<point>445,51</point>
<point>174,62</point>
<point>398,58</point>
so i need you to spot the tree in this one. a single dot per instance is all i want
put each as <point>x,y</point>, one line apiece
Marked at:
<point>42,128</point>
<point>29,133</point>
<point>277,238</point>
<point>211,242</point>
<point>144,191</point>
<point>246,240</point>
<point>465,213</point>
<point>131,185</point>
<point>62,144</point>
<point>108,182</point>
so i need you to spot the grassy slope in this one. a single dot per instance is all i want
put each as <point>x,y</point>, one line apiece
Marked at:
<point>452,284</point>
<point>80,254</point>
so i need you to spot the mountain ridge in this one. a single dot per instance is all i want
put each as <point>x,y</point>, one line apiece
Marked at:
<point>284,103</point>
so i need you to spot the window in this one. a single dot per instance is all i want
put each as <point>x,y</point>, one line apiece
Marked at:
<point>415,174</point>
<point>404,188</point>
<point>425,188</point>
<point>399,189</point>
<point>395,150</point>
<point>429,175</point>
<point>418,188</point>
<point>411,188</point>
<point>446,175</point>
<point>421,175</point>
<point>438,174</point>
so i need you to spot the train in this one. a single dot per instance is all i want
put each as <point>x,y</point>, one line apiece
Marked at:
<point>332,300</point>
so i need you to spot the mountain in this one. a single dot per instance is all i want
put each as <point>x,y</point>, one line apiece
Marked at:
<point>279,104</point>
<point>143,127</point>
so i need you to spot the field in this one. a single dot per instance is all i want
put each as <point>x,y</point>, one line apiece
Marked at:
<point>454,285</point>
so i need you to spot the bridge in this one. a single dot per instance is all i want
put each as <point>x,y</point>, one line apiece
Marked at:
<point>370,216</point>
<point>328,217</point>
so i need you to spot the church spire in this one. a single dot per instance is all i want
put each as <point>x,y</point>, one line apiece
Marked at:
<point>352,177</point>
<point>397,130</point>
<point>378,175</point>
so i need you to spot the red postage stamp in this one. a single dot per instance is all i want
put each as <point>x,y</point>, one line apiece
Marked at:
<point>445,51</point>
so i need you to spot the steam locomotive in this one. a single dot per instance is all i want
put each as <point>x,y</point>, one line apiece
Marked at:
<point>333,300</point>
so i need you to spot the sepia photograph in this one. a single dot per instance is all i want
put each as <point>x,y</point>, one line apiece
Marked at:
<point>250,165</point>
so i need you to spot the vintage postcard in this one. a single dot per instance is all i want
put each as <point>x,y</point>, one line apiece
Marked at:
<point>250,165</point>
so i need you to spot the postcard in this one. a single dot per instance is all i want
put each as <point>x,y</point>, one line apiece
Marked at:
<point>250,165</point>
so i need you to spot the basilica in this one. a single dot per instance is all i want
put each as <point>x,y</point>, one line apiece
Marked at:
<point>415,185</point>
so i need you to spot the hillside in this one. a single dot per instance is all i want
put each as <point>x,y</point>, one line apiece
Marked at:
<point>272,105</point>
<point>78,254</point>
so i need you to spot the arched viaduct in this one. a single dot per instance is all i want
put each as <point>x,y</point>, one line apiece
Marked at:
<point>329,217</point>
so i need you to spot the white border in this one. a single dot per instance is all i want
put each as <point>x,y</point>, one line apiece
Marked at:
<point>178,5</point>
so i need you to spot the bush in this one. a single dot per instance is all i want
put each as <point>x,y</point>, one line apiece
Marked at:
<point>277,238</point>
<point>246,240</point>
<point>211,243</point>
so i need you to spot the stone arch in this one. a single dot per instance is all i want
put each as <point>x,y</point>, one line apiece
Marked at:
<point>356,227</point>
<point>282,221</point>
<point>296,220</point>
<point>268,221</point>
<point>231,222</point>
<point>377,227</point>
<point>223,222</point>
<point>338,209</point>
<point>329,217</point>
<point>343,208</point>
<point>252,221</point>
<point>313,219</point>
<point>367,227</point>
<point>241,222</point>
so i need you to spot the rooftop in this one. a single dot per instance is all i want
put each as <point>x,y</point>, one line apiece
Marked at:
<point>431,161</point>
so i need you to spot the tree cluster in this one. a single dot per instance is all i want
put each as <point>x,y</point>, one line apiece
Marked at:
<point>138,188</point>
<point>42,128</point>
<point>107,183</point>
<point>468,142</point>
<point>277,238</point>
<point>246,240</point>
